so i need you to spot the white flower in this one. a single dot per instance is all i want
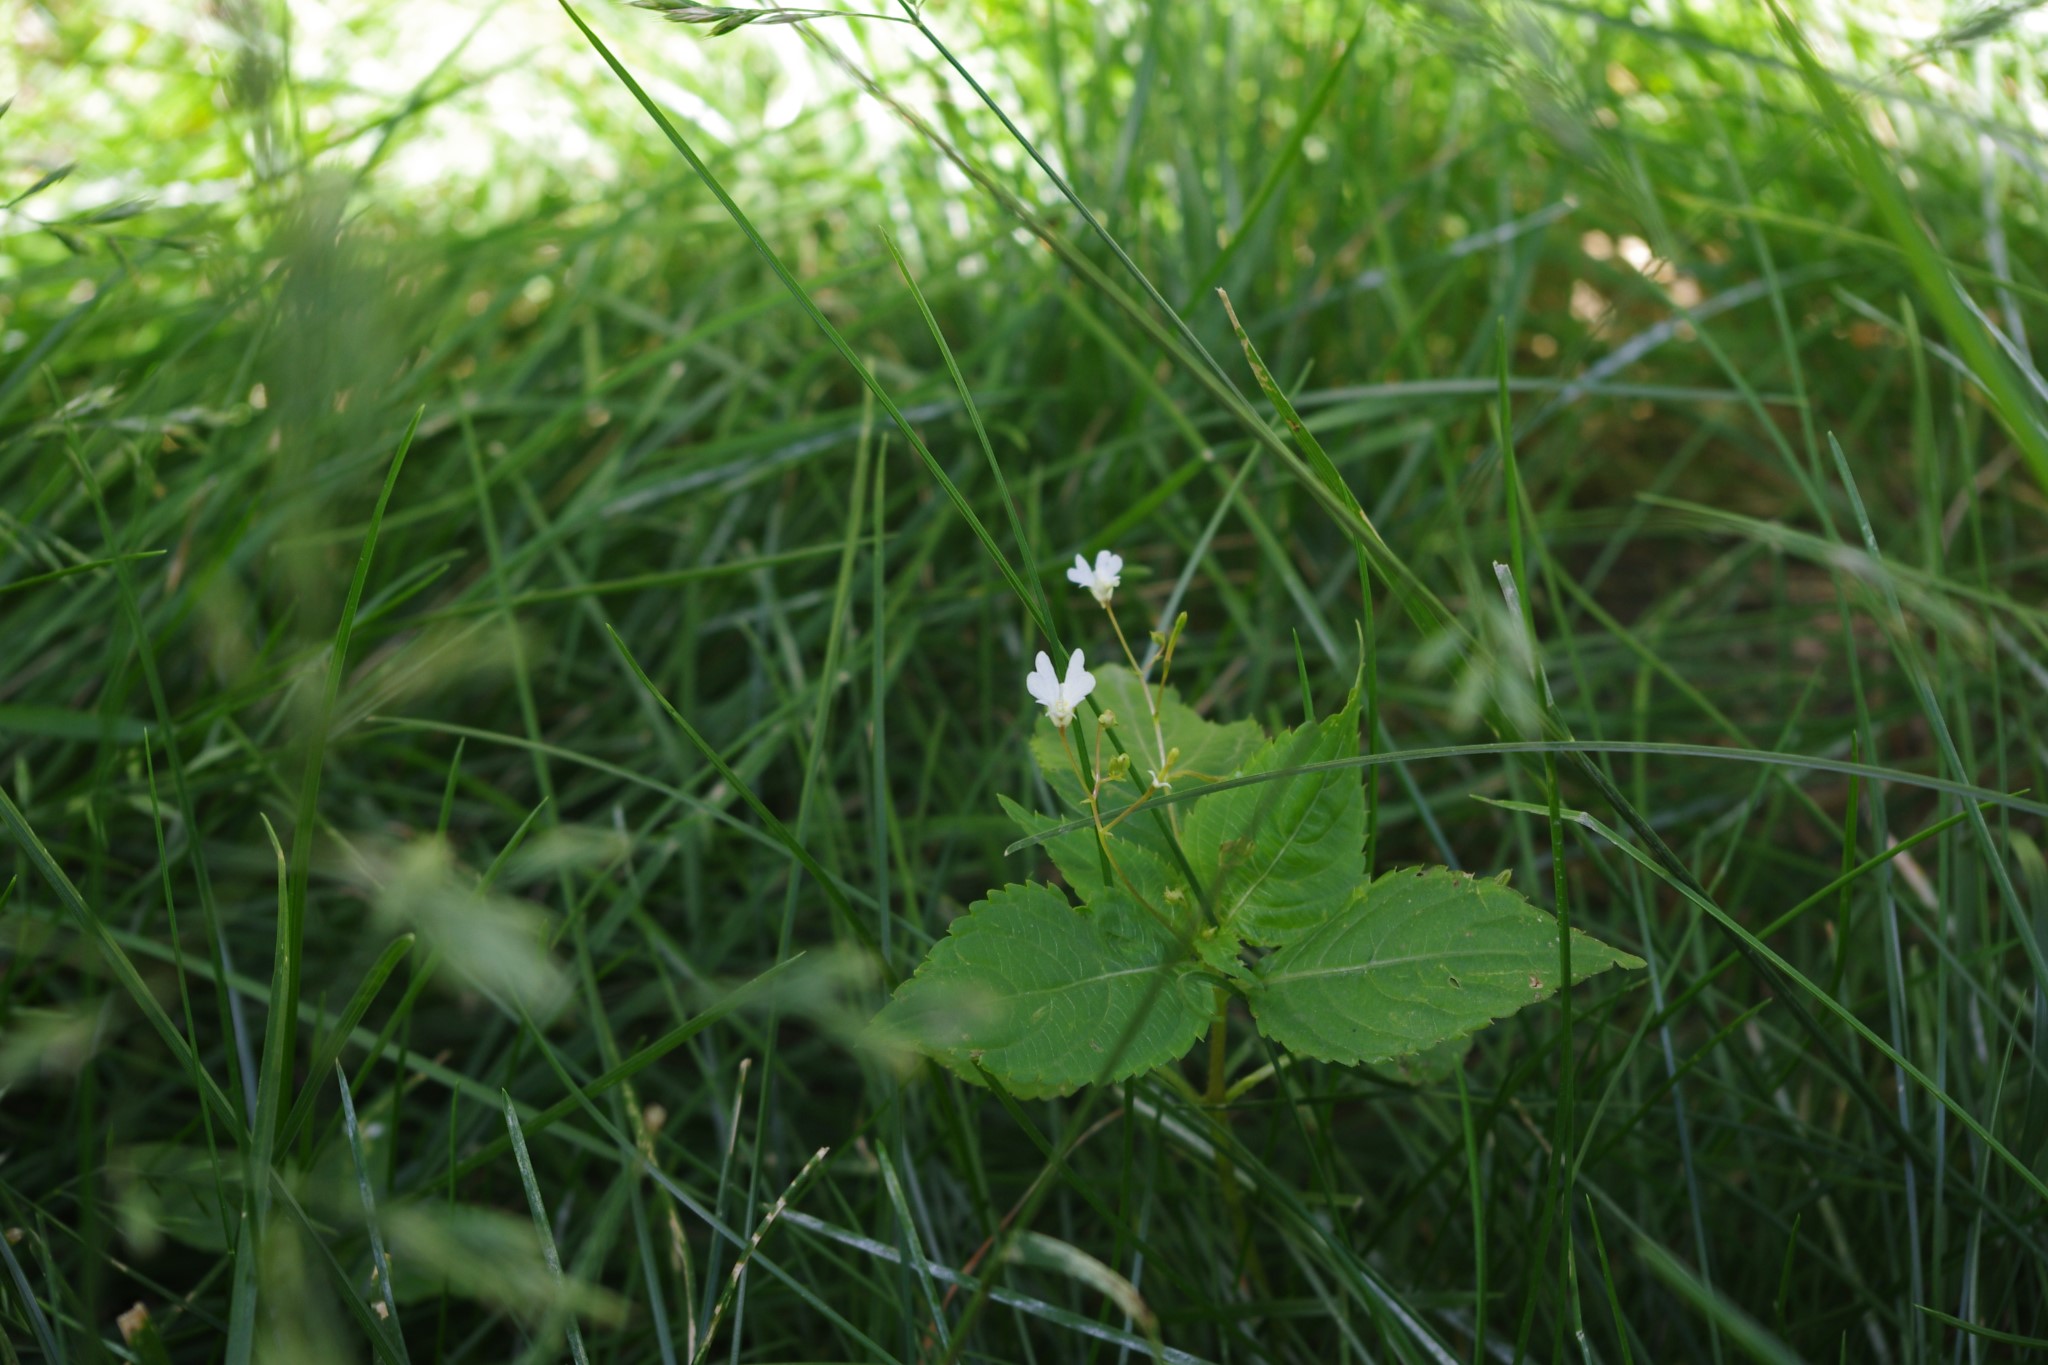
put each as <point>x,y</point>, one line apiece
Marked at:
<point>1100,580</point>
<point>1060,698</point>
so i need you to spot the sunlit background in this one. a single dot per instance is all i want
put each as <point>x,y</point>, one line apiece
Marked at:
<point>502,102</point>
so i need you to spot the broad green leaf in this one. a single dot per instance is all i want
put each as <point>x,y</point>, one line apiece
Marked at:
<point>1136,870</point>
<point>1049,998</point>
<point>1420,957</point>
<point>1279,858</point>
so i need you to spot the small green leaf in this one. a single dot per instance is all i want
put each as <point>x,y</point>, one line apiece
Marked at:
<point>1279,858</point>
<point>1420,957</point>
<point>1219,953</point>
<point>1048,998</point>
<point>1078,856</point>
<point>1208,750</point>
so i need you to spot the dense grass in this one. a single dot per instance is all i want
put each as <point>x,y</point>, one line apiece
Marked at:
<point>580,782</point>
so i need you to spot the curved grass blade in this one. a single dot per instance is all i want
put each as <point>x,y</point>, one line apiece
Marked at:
<point>782,272</point>
<point>1862,1030</point>
<point>2008,398</point>
<point>1404,1329</point>
<point>37,580</point>
<point>270,1083</point>
<point>539,1210</point>
<point>579,1097</point>
<point>988,450</point>
<point>118,961</point>
<point>1987,1333</point>
<point>782,833</point>
<point>625,774</point>
<point>1284,161</point>
<point>1803,762</point>
<point>344,1288</point>
<point>635,1064</point>
<point>39,1324</point>
<point>1205,371</point>
<point>306,812</point>
<point>1746,1331</point>
<point>911,1249</point>
<point>378,1259</point>
<point>739,1268</point>
<point>241,1065</point>
<point>337,1037</point>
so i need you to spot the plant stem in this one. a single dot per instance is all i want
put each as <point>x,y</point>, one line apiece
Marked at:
<point>1158,728</point>
<point>1219,1041</point>
<point>1216,1099</point>
<point>1092,792</point>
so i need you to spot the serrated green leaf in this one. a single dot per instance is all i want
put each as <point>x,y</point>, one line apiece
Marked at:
<point>1280,858</point>
<point>1420,957</point>
<point>1048,998</point>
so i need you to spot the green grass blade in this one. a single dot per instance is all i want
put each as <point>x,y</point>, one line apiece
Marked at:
<point>305,814</point>
<point>2020,417</point>
<point>378,1260</point>
<point>1745,1331</point>
<point>39,1323</point>
<point>54,575</point>
<point>824,325</point>
<point>118,961</point>
<point>271,1078</point>
<point>636,1063</point>
<point>1827,1001</point>
<point>779,831</point>
<point>538,1208</point>
<point>988,450</point>
<point>336,1038</point>
<point>1987,1333</point>
<point>1284,163</point>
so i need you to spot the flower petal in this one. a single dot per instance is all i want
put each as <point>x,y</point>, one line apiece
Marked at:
<point>1108,564</point>
<point>1079,683</point>
<point>1042,682</point>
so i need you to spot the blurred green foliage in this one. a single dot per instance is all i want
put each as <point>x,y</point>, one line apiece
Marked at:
<point>286,233</point>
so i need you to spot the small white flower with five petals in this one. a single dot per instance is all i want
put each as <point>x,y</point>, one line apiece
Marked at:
<point>1100,580</point>
<point>1059,698</point>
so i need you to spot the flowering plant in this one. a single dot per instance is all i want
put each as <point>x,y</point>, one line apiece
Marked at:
<point>1252,886</point>
<point>1060,696</point>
